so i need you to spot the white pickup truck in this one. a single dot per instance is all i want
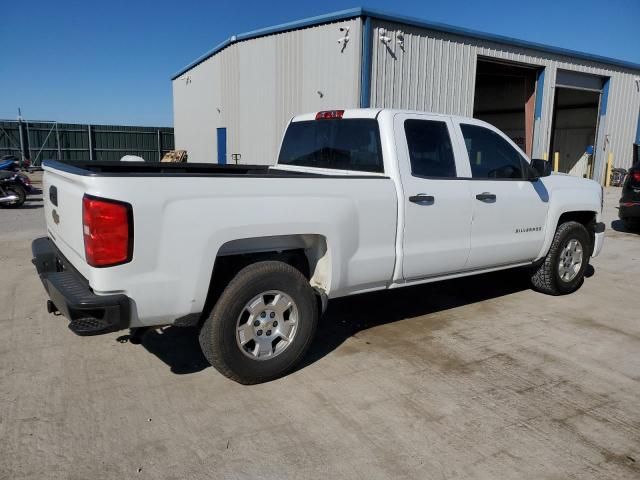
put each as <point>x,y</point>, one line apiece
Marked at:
<point>360,200</point>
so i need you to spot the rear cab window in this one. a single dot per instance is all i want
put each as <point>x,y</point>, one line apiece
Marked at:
<point>337,144</point>
<point>430,150</point>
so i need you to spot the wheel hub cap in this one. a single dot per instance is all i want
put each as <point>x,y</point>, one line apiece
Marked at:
<point>267,324</point>
<point>570,260</point>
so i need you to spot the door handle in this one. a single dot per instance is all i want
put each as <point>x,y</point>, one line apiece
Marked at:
<point>486,197</point>
<point>422,199</point>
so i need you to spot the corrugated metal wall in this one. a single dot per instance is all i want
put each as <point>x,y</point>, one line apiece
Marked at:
<point>111,142</point>
<point>107,142</point>
<point>435,71</point>
<point>254,87</point>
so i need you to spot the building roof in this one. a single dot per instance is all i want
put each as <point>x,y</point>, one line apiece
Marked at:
<point>416,22</point>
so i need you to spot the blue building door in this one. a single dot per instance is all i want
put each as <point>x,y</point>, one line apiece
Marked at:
<point>222,146</point>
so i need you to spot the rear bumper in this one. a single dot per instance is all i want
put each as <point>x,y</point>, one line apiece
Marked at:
<point>71,295</point>
<point>629,209</point>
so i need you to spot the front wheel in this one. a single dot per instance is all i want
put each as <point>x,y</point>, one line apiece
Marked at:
<point>262,324</point>
<point>562,270</point>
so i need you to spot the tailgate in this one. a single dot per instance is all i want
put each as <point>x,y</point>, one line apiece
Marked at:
<point>62,195</point>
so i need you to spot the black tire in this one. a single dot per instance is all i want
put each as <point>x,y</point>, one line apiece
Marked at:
<point>218,333</point>
<point>545,277</point>
<point>19,192</point>
<point>631,224</point>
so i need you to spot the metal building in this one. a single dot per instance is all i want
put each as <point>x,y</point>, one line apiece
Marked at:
<point>233,103</point>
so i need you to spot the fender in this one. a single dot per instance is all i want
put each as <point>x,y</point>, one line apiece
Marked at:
<point>568,194</point>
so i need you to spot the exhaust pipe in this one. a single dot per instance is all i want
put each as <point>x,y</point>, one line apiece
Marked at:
<point>8,199</point>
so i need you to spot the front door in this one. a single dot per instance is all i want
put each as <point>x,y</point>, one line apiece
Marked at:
<point>437,205</point>
<point>509,212</point>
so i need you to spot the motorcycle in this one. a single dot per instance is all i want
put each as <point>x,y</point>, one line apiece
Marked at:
<point>11,163</point>
<point>25,181</point>
<point>12,192</point>
<point>617,177</point>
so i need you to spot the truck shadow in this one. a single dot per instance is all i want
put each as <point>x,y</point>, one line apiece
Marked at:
<point>30,206</point>
<point>348,316</point>
<point>178,347</point>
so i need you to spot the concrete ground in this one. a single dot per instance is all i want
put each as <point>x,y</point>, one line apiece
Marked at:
<point>472,378</point>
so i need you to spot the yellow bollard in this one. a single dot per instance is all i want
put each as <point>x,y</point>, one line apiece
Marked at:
<point>556,161</point>
<point>544,156</point>
<point>607,179</point>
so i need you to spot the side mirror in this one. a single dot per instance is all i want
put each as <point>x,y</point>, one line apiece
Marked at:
<point>541,167</point>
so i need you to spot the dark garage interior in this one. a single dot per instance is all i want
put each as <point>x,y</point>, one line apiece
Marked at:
<point>575,120</point>
<point>505,97</point>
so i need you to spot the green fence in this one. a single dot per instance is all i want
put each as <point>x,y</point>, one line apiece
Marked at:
<point>69,142</point>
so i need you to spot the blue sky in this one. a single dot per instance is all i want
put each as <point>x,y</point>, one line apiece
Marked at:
<point>111,62</point>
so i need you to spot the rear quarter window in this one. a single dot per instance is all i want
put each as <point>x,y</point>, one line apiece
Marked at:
<point>430,150</point>
<point>344,144</point>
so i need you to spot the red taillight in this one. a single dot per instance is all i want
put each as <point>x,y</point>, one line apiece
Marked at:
<point>636,176</point>
<point>108,231</point>
<point>329,114</point>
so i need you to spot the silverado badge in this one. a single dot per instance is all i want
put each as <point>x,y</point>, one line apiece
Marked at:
<point>528,229</point>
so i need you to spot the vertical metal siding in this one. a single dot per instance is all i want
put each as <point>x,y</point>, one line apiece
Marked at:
<point>435,71</point>
<point>259,84</point>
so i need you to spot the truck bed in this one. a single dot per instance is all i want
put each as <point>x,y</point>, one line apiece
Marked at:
<point>186,215</point>
<point>158,169</point>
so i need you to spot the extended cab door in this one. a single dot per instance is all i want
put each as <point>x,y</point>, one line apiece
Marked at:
<point>437,204</point>
<point>509,212</point>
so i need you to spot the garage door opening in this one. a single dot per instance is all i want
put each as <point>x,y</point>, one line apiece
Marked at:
<point>505,97</point>
<point>573,134</point>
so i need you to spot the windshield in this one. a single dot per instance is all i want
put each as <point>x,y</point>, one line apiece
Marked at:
<point>346,144</point>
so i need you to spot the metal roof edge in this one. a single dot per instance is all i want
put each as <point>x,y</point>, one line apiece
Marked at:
<point>467,32</point>
<point>202,58</point>
<point>283,27</point>
<point>412,21</point>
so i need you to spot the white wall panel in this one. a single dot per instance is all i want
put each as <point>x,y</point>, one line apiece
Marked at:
<point>255,86</point>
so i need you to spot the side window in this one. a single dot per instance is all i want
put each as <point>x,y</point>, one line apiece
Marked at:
<point>430,149</point>
<point>490,155</point>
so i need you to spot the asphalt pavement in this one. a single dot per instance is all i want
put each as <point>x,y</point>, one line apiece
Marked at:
<point>471,378</point>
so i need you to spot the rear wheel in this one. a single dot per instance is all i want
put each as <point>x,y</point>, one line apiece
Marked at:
<point>562,270</point>
<point>262,324</point>
<point>19,192</point>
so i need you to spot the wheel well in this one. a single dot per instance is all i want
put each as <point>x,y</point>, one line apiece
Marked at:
<point>586,218</point>
<point>306,253</point>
